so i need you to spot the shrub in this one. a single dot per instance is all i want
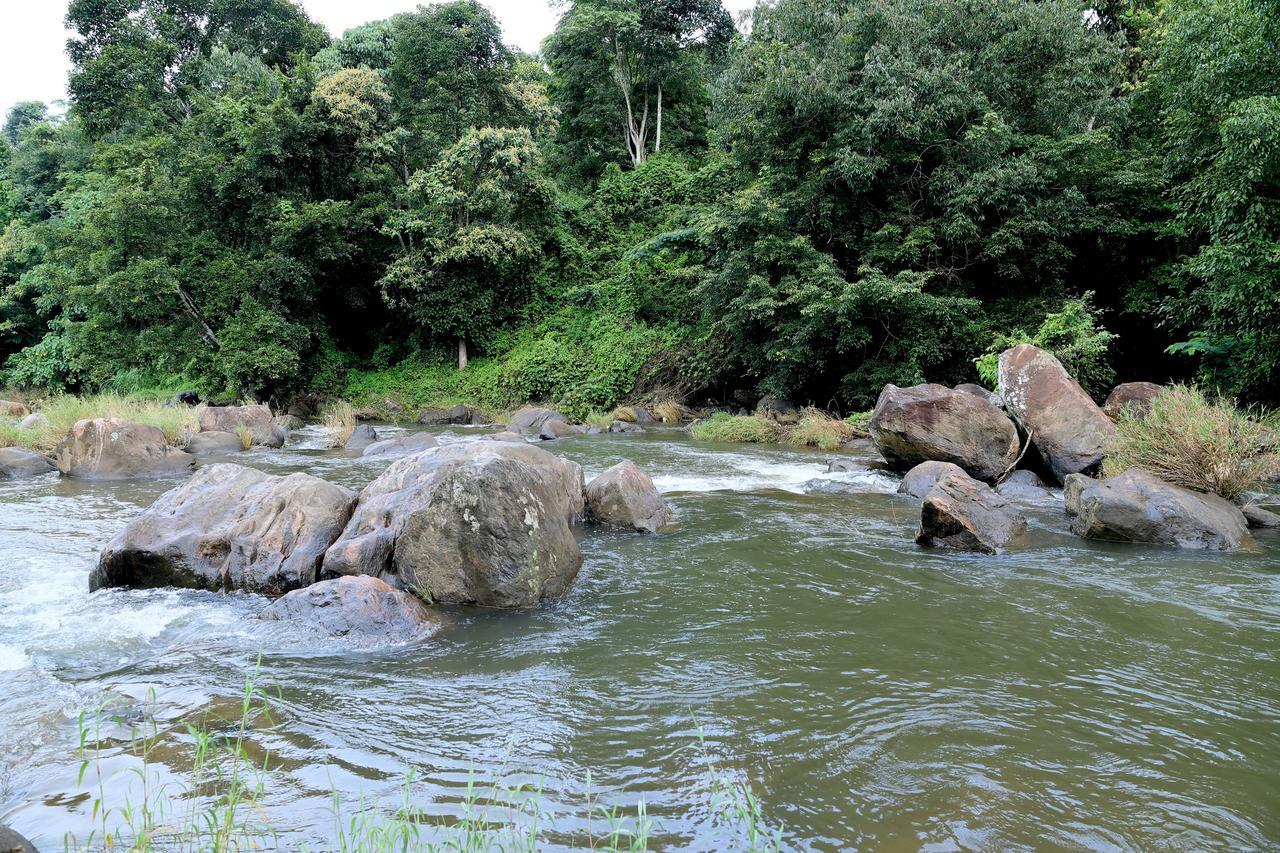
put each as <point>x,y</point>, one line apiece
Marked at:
<point>860,422</point>
<point>751,429</point>
<point>818,429</point>
<point>1075,335</point>
<point>1188,440</point>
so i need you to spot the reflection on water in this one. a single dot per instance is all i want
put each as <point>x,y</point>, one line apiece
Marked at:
<point>873,694</point>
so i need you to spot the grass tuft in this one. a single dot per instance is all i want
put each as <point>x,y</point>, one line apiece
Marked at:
<point>818,429</point>
<point>1192,441</point>
<point>626,414</point>
<point>667,411</point>
<point>339,422</point>
<point>750,429</point>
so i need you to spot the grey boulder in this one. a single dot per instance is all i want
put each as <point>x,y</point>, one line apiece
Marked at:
<point>361,437</point>
<point>1024,485</point>
<point>257,419</point>
<point>625,427</point>
<point>624,496</point>
<point>530,420</point>
<point>511,437</point>
<point>484,523</point>
<point>1067,428</point>
<point>935,423</point>
<point>214,442</point>
<point>1138,507</point>
<point>1072,488</point>
<point>358,606</point>
<point>16,463</point>
<point>920,480</point>
<point>229,528</point>
<point>962,513</point>
<point>37,420</point>
<point>115,449</point>
<point>404,446</point>
<point>1261,518</point>
<point>553,429</point>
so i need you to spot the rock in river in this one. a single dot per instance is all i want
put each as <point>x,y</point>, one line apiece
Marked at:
<point>263,429</point>
<point>530,420</point>
<point>1067,428</point>
<point>484,523</point>
<point>920,480</point>
<point>963,513</point>
<point>358,606</point>
<point>115,449</point>
<point>1139,507</point>
<point>229,527</point>
<point>16,463</point>
<point>214,442</point>
<point>624,496</point>
<point>361,437</point>
<point>933,422</point>
<point>414,442</point>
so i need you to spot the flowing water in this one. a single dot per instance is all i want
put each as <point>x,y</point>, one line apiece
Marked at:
<point>873,694</point>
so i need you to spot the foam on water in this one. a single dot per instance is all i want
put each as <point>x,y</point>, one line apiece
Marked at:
<point>742,473</point>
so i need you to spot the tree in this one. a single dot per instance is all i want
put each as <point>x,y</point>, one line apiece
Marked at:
<point>21,116</point>
<point>620,65</point>
<point>475,232</point>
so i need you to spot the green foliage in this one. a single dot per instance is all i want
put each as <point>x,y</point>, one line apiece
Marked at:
<point>747,429</point>
<point>1189,440</point>
<point>1074,334</point>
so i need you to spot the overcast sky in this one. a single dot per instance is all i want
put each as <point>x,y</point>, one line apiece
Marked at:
<point>33,61</point>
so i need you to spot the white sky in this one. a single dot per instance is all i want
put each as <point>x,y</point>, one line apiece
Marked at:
<point>33,61</point>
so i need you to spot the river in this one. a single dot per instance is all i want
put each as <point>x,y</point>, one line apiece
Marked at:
<point>785,633</point>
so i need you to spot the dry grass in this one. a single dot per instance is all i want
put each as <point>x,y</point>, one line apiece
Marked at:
<point>626,414</point>
<point>667,411</point>
<point>1188,440</point>
<point>818,429</point>
<point>339,421</point>
<point>246,436</point>
<point>177,422</point>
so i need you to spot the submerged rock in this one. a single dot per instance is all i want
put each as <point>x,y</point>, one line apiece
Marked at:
<point>624,496</point>
<point>920,480</point>
<point>506,436</point>
<point>1134,396</point>
<point>1261,518</point>
<point>115,449</point>
<point>229,528</point>
<point>1067,428</point>
<point>484,523</point>
<point>1025,485</point>
<point>361,437</point>
<point>962,513</point>
<point>358,606</point>
<point>405,445</point>
<point>257,419</point>
<point>214,442</point>
<point>935,423</point>
<point>1139,507</point>
<point>530,420</point>
<point>17,463</point>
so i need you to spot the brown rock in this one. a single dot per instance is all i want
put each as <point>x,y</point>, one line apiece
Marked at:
<point>624,496</point>
<point>10,409</point>
<point>115,449</point>
<point>229,528</point>
<point>935,423</point>
<point>962,513</point>
<point>358,606</point>
<point>214,442</point>
<point>1067,428</point>
<point>1134,396</point>
<point>263,429</point>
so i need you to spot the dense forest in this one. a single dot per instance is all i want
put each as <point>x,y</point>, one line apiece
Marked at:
<point>811,202</point>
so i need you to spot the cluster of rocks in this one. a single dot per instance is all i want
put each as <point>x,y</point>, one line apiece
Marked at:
<point>969,454</point>
<point>488,523</point>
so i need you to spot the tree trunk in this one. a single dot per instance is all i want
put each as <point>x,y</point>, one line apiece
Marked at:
<point>657,137</point>
<point>462,353</point>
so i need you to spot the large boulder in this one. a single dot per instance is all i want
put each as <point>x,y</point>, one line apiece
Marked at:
<point>553,429</point>
<point>530,420</point>
<point>361,437</point>
<point>978,391</point>
<point>1139,507</point>
<point>962,513</point>
<point>360,606</point>
<point>115,449</point>
<point>624,496</point>
<point>229,528</point>
<point>933,422</point>
<point>483,522</point>
<point>920,480</point>
<point>414,442</point>
<point>214,442</point>
<point>257,418</point>
<point>10,409</point>
<point>434,416</point>
<point>16,463</point>
<point>1067,428</point>
<point>625,427</point>
<point>1134,396</point>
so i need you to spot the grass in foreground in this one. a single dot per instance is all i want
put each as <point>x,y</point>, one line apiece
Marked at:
<point>1192,441</point>
<point>63,411</point>
<point>221,807</point>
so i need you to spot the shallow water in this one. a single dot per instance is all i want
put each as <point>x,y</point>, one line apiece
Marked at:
<point>873,694</point>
